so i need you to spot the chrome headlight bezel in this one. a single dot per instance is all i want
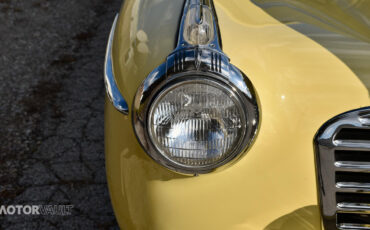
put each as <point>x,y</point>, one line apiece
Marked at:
<point>205,62</point>
<point>146,96</point>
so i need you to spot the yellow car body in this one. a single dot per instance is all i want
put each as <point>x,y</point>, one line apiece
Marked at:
<point>301,81</point>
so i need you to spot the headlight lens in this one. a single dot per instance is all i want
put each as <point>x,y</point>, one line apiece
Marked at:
<point>197,123</point>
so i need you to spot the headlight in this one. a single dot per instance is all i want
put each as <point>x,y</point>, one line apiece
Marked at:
<point>197,123</point>
<point>196,111</point>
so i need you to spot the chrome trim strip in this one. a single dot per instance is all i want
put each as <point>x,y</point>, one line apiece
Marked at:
<point>327,167</point>
<point>353,185</point>
<point>352,166</point>
<point>111,87</point>
<point>353,208</point>
<point>190,62</point>
<point>352,145</point>
<point>346,226</point>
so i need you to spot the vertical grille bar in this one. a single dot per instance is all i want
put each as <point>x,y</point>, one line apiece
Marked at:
<point>342,148</point>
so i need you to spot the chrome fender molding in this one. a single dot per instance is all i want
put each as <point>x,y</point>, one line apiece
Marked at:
<point>111,87</point>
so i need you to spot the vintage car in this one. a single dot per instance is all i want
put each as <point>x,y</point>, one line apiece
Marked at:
<point>239,114</point>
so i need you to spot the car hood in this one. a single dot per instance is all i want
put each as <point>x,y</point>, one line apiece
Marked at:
<point>340,28</point>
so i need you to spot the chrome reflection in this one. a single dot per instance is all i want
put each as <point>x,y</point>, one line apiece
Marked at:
<point>111,87</point>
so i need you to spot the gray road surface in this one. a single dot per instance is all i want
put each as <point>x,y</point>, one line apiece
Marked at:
<point>51,110</point>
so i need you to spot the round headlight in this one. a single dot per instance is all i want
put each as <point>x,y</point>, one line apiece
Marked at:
<point>197,123</point>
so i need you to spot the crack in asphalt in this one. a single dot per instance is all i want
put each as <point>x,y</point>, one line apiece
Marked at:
<point>52,111</point>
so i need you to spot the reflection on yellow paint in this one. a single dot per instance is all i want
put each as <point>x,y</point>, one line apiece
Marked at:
<point>342,27</point>
<point>306,218</point>
<point>350,17</point>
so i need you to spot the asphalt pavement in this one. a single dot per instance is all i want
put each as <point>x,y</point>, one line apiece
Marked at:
<point>51,111</point>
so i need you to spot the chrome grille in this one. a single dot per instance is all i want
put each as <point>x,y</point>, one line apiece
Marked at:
<point>342,147</point>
